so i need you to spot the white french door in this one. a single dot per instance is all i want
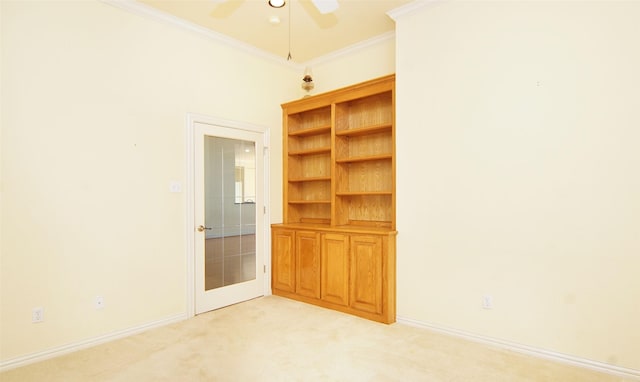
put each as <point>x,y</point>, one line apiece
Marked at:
<point>229,226</point>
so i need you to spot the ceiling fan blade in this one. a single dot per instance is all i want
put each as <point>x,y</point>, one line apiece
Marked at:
<point>325,6</point>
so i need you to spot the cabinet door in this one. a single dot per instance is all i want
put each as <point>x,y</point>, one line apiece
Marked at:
<point>366,273</point>
<point>335,268</point>
<point>283,260</point>
<point>308,264</point>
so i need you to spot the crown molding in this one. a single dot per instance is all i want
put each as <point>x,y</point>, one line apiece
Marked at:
<point>154,14</point>
<point>411,8</point>
<point>144,10</point>
<point>352,48</point>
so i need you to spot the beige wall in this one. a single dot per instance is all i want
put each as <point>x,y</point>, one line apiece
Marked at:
<point>94,101</point>
<point>519,114</point>
<point>93,123</point>
<point>351,66</point>
<point>523,118</point>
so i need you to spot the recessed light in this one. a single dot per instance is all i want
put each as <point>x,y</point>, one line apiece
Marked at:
<point>275,20</point>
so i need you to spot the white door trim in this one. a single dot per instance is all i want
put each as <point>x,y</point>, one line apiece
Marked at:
<point>190,226</point>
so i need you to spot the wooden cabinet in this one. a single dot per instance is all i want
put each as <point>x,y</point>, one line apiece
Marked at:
<point>283,260</point>
<point>350,271</point>
<point>335,268</point>
<point>366,273</point>
<point>336,245</point>
<point>307,263</point>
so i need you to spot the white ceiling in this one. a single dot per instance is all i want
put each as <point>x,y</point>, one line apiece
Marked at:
<point>312,34</point>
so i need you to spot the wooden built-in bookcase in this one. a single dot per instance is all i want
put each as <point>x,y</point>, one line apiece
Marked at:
<point>336,245</point>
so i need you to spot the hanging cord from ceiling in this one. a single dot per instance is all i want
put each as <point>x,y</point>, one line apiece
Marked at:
<point>289,57</point>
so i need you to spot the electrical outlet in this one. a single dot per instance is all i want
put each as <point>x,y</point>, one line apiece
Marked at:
<point>487,302</point>
<point>37,315</point>
<point>99,302</point>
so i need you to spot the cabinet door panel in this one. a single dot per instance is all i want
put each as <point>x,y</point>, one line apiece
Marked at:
<point>308,264</point>
<point>335,268</point>
<point>283,258</point>
<point>366,273</point>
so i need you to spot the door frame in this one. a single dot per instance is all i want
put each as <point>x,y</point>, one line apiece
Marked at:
<point>190,227</point>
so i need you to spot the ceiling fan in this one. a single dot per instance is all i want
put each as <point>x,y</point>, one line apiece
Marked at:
<point>324,17</point>
<point>323,6</point>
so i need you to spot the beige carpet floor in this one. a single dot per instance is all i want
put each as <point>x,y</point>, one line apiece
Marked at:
<point>276,339</point>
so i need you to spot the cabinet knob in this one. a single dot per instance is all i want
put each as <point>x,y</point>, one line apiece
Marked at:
<point>202,228</point>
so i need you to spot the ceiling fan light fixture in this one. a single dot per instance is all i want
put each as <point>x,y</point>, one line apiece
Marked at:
<point>325,6</point>
<point>276,3</point>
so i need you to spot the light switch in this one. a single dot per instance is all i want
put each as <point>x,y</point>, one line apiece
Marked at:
<point>175,186</point>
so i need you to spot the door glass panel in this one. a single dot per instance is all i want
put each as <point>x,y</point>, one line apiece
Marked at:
<point>230,211</point>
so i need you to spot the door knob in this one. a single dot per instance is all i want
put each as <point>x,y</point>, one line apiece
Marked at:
<point>202,228</point>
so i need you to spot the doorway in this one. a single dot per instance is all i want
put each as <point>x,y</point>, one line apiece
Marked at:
<point>228,229</point>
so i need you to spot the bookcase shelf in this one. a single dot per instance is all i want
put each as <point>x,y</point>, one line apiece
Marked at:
<point>310,179</point>
<point>309,202</point>
<point>318,150</point>
<point>336,245</point>
<point>385,127</point>
<point>363,193</point>
<point>339,147</point>
<point>311,131</point>
<point>365,159</point>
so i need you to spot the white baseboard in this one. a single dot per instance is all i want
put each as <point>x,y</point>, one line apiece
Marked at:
<point>541,353</point>
<point>72,347</point>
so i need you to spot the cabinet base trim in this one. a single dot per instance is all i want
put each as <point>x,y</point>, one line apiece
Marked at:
<point>341,308</point>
